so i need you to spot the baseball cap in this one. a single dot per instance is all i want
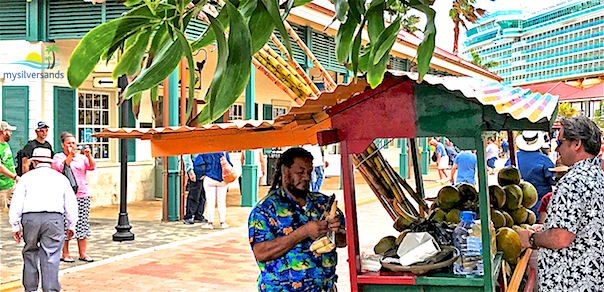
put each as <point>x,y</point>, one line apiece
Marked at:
<point>6,126</point>
<point>41,125</point>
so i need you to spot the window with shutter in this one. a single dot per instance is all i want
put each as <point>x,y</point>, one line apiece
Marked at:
<point>15,110</point>
<point>64,114</point>
<point>196,28</point>
<point>74,18</point>
<point>298,53</point>
<point>324,49</point>
<point>267,112</point>
<point>13,19</point>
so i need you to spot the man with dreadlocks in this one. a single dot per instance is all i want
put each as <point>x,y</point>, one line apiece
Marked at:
<point>284,224</point>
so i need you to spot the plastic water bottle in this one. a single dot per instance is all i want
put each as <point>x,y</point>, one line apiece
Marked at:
<point>468,239</point>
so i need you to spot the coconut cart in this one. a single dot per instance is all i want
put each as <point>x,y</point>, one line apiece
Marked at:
<point>354,115</point>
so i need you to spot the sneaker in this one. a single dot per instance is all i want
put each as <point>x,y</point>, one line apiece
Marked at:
<point>188,221</point>
<point>224,225</point>
<point>207,226</point>
<point>204,220</point>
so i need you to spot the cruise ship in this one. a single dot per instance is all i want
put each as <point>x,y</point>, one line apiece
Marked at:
<point>563,42</point>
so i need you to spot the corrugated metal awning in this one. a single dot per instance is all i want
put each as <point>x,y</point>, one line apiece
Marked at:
<point>301,124</point>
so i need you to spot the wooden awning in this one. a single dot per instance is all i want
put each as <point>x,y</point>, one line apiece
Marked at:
<point>454,106</point>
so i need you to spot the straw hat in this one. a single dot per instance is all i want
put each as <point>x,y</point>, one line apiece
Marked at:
<point>530,140</point>
<point>42,155</point>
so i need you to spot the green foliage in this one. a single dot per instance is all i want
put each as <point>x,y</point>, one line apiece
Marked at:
<point>599,116</point>
<point>565,109</point>
<point>476,60</point>
<point>156,28</point>
<point>462,11</point>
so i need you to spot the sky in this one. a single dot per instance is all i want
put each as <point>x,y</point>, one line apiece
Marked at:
<point>444,24</point>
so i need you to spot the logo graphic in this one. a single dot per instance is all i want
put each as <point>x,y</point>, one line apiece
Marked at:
<point>34,60</point>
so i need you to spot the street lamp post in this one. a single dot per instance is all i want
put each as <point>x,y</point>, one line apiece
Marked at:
<point>123,224</point>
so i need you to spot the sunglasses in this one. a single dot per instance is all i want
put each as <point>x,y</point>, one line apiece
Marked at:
<point>559,142</point>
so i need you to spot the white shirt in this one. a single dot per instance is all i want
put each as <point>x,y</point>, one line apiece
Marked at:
<point>492,150</point>
<point>43,190</point>
<point>317,156</point>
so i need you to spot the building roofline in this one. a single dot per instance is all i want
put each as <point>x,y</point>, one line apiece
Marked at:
<point>413,41</point>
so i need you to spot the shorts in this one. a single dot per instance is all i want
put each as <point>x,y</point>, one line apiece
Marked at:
<point>491,162</point>
<point>444,162</point>
<point>6,196</point>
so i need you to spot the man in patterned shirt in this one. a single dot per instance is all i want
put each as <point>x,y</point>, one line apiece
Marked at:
<point>571,257</point>
<point>284,224</point>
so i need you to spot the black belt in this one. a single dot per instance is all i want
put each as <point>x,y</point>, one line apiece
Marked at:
<point>43,212</point>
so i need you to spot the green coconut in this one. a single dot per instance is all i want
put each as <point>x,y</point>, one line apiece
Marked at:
<point>508,242</point>
<point>529,194</point>
<point>509,221</point>
<point>520,215</point>
<point>453,216</point>
<point>508,176</point>
<point>385,244</point>
<point>513,197</point>
<point>467,193</point>
<point>517,228</point>
<point>498,219</point>
<point>448,194</point>
<point>531,219</point>
<point>497,196</point>
<point>439,215</point>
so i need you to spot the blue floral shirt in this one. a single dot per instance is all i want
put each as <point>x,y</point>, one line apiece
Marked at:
<point>300,269</point>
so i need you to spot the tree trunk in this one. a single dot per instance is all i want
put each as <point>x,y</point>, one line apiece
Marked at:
<point>53,60</point>
<point>456,36</point>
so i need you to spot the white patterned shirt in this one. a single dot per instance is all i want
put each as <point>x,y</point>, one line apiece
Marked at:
<point>577,206</point>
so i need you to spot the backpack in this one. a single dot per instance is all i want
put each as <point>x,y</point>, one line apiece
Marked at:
<point>19,162</point>
<point>199,166</point>
<point>434,157</point>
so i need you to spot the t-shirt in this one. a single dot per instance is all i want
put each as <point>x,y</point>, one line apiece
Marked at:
<point>492,150</point>
<point>6,158</point>
<point>545,202</point>
<point>466,167</point>
<point>505,146</point>
<point>28,150</point>
<point>441,149</point>
<point>79,166</point>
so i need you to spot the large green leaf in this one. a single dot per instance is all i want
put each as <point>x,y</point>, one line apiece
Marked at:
<point>426,48</point>
<point>187,52</point>
<point>344,39</point>
<point>341,10</point>
<point>209,35</point>
<point>160,39</point>
<point>236,74</point>
<point>164,64</point>
<point>386,41</point>
<point>375,73</point>
<point>94,44</point>
<point>223,55</point>
<point>272,6</point>
<point>261,27</point>
<point>375,19</point>
<point>301,2</point>
<point>356,46</point>
<point>132,60</point>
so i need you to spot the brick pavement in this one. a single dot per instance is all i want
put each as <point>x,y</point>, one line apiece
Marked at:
<point>174,257</point>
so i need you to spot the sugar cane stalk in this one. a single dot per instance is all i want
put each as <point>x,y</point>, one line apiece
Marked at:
<point>329,83</point>
<point>295,64</point>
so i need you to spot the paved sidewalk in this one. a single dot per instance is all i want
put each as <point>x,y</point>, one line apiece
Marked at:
<point>172,254</point>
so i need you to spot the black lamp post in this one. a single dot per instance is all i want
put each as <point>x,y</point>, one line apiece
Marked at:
<point>123,224</point>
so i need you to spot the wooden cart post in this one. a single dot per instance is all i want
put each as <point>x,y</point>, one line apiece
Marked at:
<point>352,237</point>
<point>485,216</point>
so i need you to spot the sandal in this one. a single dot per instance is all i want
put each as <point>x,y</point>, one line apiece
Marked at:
<point>87,259</point>
<point>68,260</point>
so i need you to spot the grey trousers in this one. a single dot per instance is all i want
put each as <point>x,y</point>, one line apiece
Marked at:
<point>44,234</point>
